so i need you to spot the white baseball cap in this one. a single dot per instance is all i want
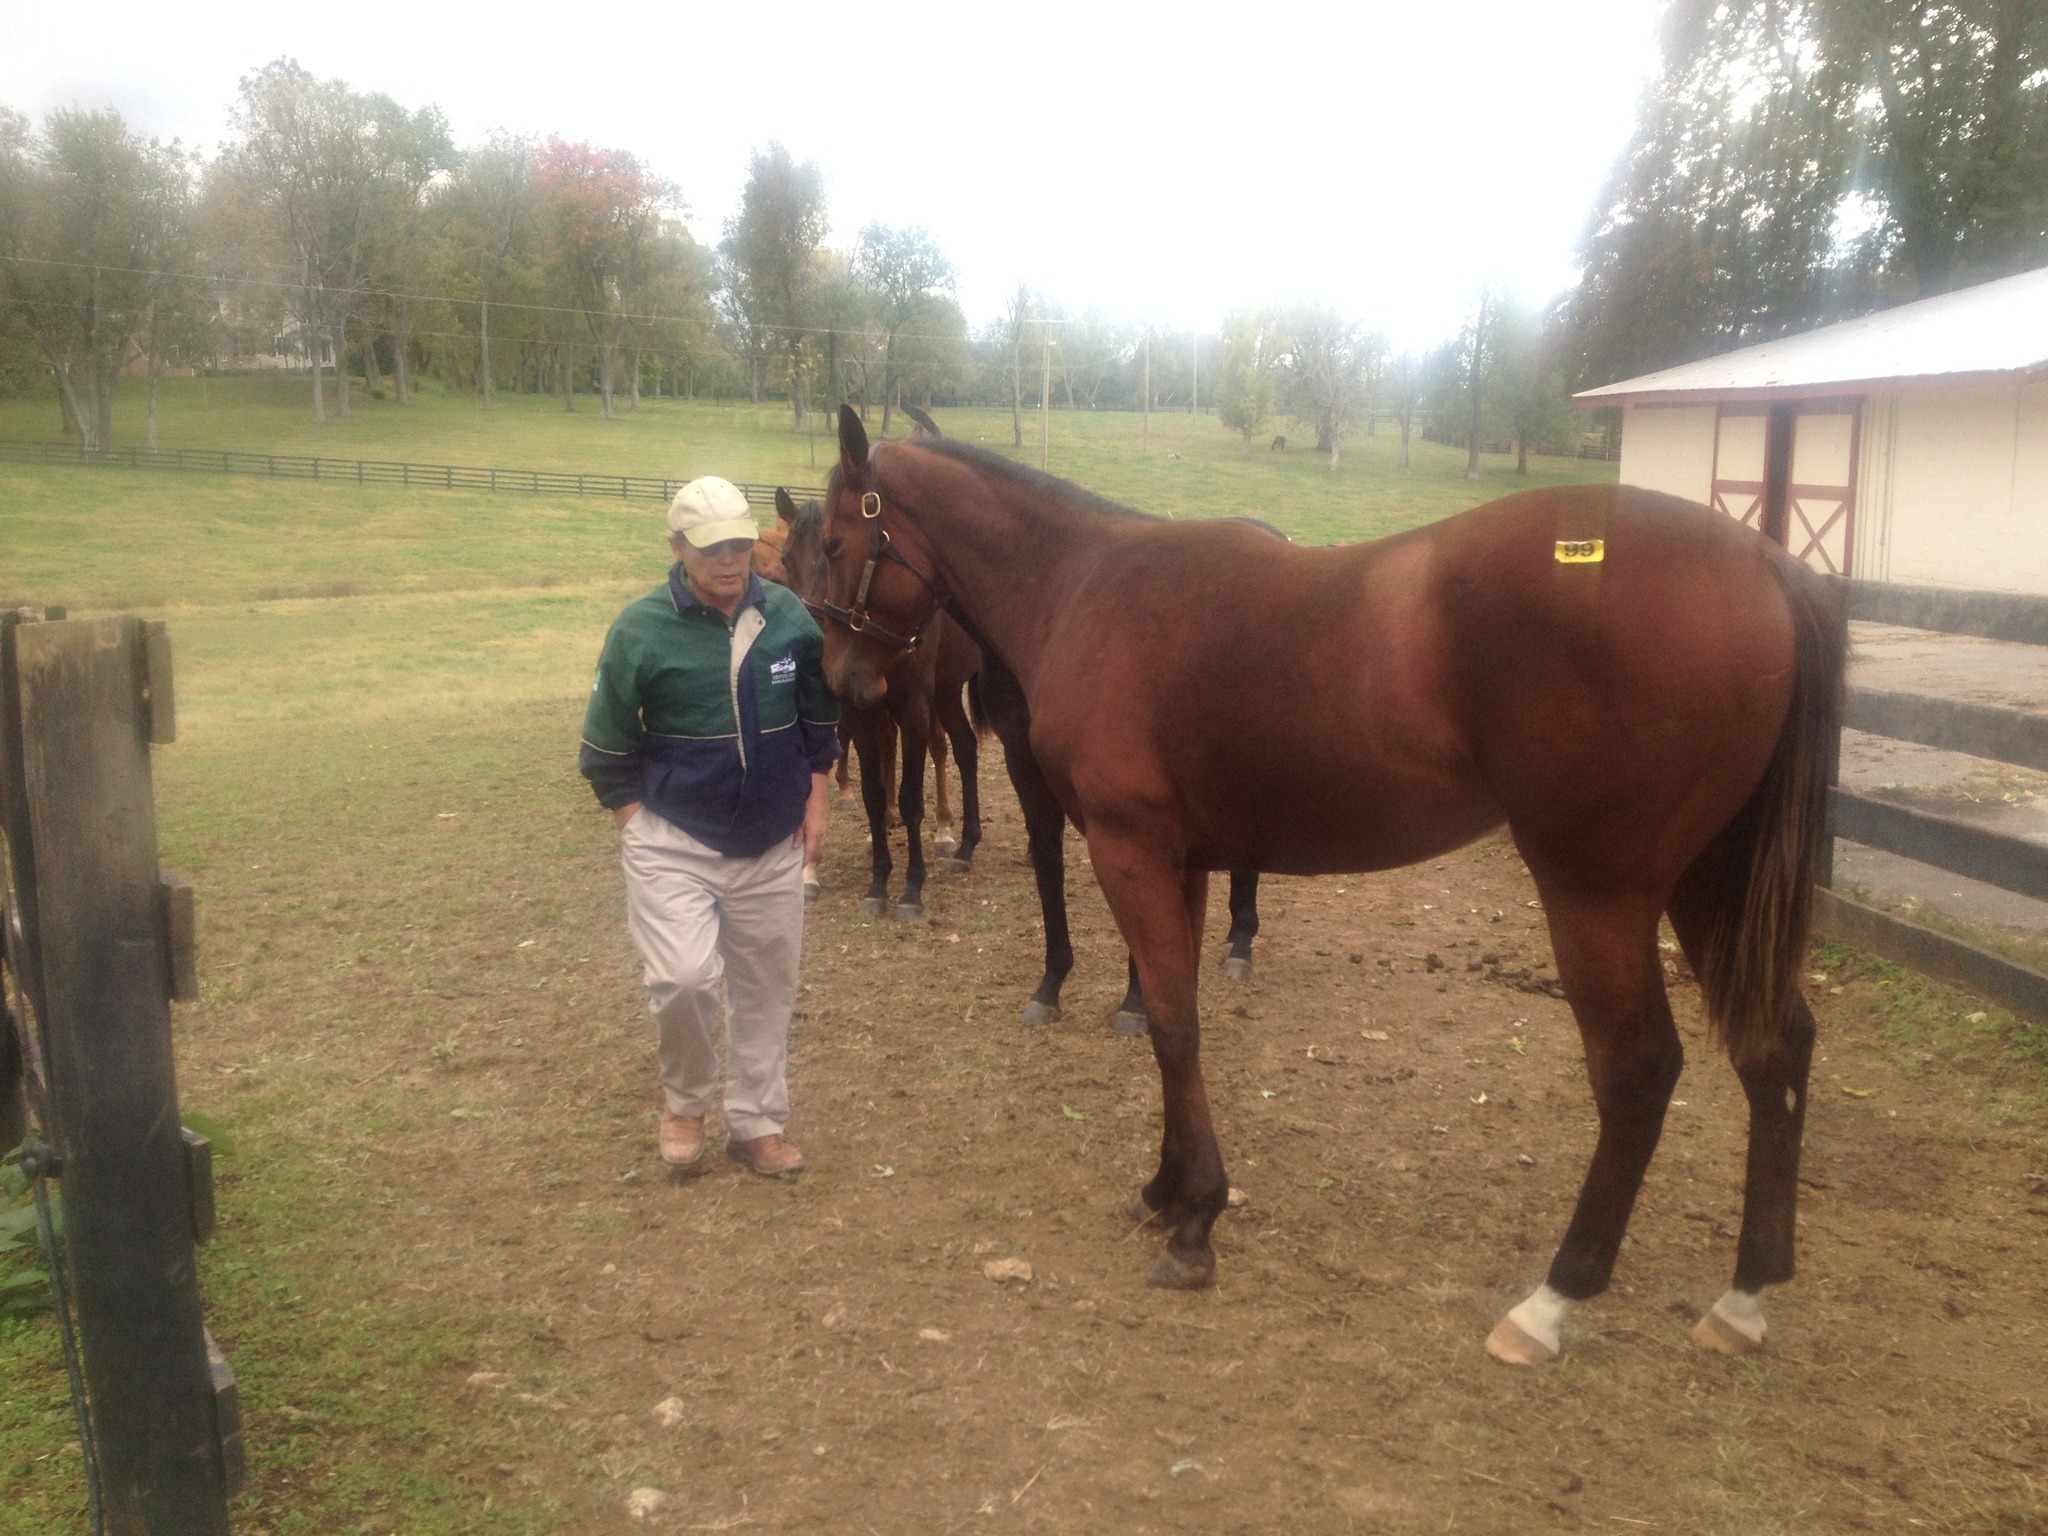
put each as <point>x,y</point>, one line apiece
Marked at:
<point>710,511</point>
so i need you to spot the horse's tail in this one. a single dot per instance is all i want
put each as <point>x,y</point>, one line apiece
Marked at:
<point>1750,941</point>
<point>976,714</point>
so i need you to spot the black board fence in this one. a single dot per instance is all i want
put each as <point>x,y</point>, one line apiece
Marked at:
<point>97,943</point>
<point>1980,730</point>
<point>436,477</point>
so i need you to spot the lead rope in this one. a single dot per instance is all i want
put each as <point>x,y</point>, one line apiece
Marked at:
<point>39,1162</point>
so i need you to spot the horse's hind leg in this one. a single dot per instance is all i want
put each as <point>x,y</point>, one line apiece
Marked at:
<point>1045,829</point>
<point>1244,924</point>
<point>1130,1013</point>
<point>943,840</point>
<point>967,759</point>
<point>1607,960</point>
<point>1776,1090</point>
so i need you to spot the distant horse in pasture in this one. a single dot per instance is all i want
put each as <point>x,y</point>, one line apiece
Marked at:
<point>1646,693</point>
<point>1279,445</point>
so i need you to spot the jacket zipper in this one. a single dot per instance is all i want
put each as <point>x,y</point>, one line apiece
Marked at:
<point>732,683</point>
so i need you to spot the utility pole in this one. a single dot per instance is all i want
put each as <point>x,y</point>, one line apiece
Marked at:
<point>1146,430</point>
<point>1045,407</point>
<point>1194,371</point>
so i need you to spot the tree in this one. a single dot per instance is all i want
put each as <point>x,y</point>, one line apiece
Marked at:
<point>770,245</point>
<point>302,149</point>
<point>1530,396</point>
<point>1017,317</point>
<point>1478,353</point>
<point>905,271</point>
<point>1405,378</point>
<point>96,230</point>
<point>409,154</point>
<point>1322,372</point>
<point>1244,388</point>
<point>600,213</point>
<point>1801,160</point>
<point>491,214</point>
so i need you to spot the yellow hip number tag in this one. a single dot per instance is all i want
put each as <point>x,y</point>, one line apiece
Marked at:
<point>1581,551</point>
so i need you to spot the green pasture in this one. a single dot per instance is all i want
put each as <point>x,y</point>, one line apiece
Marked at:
<point>1184,466</point>
<point>374,781</point>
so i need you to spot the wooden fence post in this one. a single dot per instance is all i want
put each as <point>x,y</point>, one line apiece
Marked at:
<point>105,971</point>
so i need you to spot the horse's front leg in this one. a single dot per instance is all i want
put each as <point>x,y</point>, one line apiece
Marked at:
<point>914,732</point>
<point>867,742</point>
<point>1159,909</point>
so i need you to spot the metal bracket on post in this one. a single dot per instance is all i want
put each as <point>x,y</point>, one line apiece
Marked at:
<point>180,939</point>
<point>157,689</point>
<point>199,1185</point>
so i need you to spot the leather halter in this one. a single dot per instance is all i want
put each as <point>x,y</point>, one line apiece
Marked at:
<point>881,547</point>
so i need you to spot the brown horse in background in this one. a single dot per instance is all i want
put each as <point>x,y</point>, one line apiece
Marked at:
<point>924,690</point>
<point>770,563</point>
<point>1644,692</point>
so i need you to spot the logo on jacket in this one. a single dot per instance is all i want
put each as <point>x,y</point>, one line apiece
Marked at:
<point>783,671</point>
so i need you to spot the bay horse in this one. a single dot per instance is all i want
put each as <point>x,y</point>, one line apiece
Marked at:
<point>1643,691</point>
<point>922,689</point>
<point>1045,826</point>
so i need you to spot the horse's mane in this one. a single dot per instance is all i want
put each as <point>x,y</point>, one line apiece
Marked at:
<point>809,519</point>
<point>1041,484</point>
<point>1032,480</point>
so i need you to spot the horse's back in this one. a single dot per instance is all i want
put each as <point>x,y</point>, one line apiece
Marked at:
<point>1555,659</point>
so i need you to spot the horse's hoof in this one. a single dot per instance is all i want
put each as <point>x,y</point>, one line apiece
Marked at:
<point>1237,969</point>
<point>846,802</point>
<point>944,844</point>
<point>810,891</point>
<point>1510,1344</point>
<point>1170,1273</point>
<point>1036,1012</point>
<point>1734,1325</point>
<point>1710,1332</point>
<point>960,866</point>
<point>871,906</point>
<point>1129,1023</point>
<point>910,912</point>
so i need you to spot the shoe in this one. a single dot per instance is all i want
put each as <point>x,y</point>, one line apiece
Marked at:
<point>769,1156</point>
<point>682,1139</point>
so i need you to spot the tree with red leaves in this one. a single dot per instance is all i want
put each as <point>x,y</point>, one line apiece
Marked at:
<point>600,221</point>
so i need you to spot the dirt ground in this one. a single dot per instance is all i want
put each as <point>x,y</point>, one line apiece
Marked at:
<point>842,1363</point>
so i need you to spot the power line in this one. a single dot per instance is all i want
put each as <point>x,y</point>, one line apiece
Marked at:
<point>453,299</point>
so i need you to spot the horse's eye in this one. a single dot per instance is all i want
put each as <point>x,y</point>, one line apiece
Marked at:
<point>832,547</point>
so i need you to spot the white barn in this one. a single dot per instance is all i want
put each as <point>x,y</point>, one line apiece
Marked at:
<point>1908,446</point>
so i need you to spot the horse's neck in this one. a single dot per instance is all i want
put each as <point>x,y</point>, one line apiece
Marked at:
<point>1005,555</point>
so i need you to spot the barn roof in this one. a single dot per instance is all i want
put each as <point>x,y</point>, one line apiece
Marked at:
<point>1992,333</point>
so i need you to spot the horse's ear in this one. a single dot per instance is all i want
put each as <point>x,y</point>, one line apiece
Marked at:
<point>853,447</point>
<point>785,505</point>
<point>925,424</point>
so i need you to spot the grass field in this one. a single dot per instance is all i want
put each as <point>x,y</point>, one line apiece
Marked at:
<point>374,791</point>
<point>1189,466</point>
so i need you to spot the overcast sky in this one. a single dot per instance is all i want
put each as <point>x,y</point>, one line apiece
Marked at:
<point>1161,163</point>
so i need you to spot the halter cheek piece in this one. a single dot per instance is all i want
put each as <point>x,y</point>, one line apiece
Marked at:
<point>881,547</point>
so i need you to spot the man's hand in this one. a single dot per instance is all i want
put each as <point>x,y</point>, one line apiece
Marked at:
<point>626,813</point>
<point>812,833</point>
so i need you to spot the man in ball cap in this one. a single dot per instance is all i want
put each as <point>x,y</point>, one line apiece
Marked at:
<point>708,737</point>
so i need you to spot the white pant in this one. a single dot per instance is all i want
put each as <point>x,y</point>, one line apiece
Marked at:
<point>698,917</point>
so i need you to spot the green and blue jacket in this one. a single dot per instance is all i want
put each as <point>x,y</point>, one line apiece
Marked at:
<point>714,724</point>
